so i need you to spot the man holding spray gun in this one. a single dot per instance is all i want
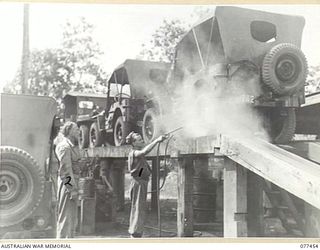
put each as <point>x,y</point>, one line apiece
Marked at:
<point>140,172</point>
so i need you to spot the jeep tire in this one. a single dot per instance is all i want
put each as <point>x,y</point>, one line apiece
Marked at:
<point>84,136</point>
<point>21,185</point>
<point>282,125</point>
<point>120,131</point>
<point>284,69</point>
<point>150,126</point>
<point>95,136</point>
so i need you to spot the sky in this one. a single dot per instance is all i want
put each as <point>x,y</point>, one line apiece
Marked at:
<point>120,29</point>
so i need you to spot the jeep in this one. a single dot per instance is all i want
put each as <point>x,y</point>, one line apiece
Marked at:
<point>134,87</point>
<point>253,51</point>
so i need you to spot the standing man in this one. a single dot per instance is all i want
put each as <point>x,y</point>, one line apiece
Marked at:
<point>68,175</point>
<point>140,172</point>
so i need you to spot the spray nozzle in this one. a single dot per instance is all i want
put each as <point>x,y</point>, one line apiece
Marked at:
<point>172,131</point>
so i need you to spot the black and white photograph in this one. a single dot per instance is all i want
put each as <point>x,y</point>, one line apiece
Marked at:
<point>159,121</point>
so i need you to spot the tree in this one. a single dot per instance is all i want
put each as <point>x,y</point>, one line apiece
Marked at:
<point>162,45</point>
<point>74,66</point>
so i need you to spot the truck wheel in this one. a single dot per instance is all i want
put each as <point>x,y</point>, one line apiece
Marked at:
<point>150,126</point>
<point>84,137</point>
<point>21,185</point>
<point>95,136</point>
<point>120,131</point>
<point>282,125</point>
<point>284,69</point>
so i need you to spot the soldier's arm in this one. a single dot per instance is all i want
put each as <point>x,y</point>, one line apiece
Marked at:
<point>147,149</point>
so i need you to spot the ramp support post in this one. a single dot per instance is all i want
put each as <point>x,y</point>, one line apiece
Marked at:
<point>255,205</point>
<point>117,179</point>
<point>235,200</point>
<point>154,200</point>
<point>185,197</point>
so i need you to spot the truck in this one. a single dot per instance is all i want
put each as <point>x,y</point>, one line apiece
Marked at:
<point>28,127</point>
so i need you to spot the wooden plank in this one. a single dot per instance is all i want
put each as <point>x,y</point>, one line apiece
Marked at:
<point>108,165</point>
<point>154,200</point>
<point>235,200</point>
<point>255,205</point>
<point>117,180</point>
<point>288,171</point>
<point>106,152</point>
<point>185,207</point>
<point>201,145</point>
<point>313,99</point>
<point>204,191</point>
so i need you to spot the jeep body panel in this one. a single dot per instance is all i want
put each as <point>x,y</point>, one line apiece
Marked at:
<point>26,123</point>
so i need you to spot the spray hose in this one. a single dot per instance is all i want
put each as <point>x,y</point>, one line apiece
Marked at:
<point>164,179</point>
<point>165,164</point>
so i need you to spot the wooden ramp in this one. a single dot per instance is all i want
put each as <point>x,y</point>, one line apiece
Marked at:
<point>289,171</point>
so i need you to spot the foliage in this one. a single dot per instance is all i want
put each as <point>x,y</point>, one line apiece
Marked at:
<point>75,66</point>
<point>162,45</point>
<point>201,12</point>
<point>313,80</point>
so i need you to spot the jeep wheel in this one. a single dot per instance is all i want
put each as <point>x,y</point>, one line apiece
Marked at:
<point>282,125</point>
<point>284,69</point>
<point>84,137</point>
<point>95,136</point>
<point>150,126</point>
<point>21,185</point>
<point>120,131</point>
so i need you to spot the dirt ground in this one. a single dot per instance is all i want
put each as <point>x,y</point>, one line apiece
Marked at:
<point>168,209</point>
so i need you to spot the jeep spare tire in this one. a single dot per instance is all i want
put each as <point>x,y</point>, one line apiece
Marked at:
<point>21,185</point>
<point>284,69</point>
